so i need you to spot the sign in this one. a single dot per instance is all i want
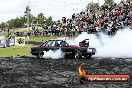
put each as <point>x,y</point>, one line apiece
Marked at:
<point>20,41</point>
<point>101,78</point>
<point>2,41</point>
<point>11,43</point>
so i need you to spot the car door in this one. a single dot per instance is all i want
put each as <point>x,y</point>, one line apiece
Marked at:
<point>64,46</point>
<point>58,45</point>
<point>50,45</point>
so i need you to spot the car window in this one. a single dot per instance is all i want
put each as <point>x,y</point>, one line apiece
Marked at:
<point>63,43</point>
<point>53,44</point>
<point>50,43</point>
<point>58,43</point>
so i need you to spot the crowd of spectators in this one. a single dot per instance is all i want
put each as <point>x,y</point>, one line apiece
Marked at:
<point>107,19</point>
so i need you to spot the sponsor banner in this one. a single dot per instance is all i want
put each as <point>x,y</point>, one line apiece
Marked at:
<point>106,78</point>
<point>11,43</point>
<point>20,41</point>
<point>2,41</point>
<point>101,78</point>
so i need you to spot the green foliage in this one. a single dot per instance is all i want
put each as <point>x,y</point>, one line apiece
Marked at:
<point>41,18</point>
<point>3,25</point>
<point>16,23</point>
<point>49,21</point>
<point>91,6</point>
<point>33,19</point>
<point>11,23</point>
<point>109,2</point>
<point>19,22</point>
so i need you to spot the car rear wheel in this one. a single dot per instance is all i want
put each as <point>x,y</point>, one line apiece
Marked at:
<point>88,56</point>
<point>78,54</point>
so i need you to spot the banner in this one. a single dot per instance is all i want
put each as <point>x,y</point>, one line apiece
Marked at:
<point>20,41</point>
<point>11,43</point>
<point>2,42</point>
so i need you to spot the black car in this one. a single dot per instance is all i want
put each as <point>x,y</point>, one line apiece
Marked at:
<point>70,51</point>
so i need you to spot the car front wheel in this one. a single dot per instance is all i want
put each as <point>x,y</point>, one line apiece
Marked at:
<point>40,55</point>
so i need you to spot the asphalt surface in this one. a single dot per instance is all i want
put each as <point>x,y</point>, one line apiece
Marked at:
<point>29,72</point>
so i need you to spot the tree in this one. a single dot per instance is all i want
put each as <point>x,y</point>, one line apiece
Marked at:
<point>3,25</point>
<point>91,6</point>
<point>49,21</point>
<point>17,23</point>
<point>23,21</point>
<point>41,19</point>
<point>11,23</point>
<point>32,19</point>
<point>110,2</point>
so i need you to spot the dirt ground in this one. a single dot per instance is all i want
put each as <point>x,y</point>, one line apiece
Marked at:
<point>28,72</point>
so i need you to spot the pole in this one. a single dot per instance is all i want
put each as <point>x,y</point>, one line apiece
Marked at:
<point>98,2</point>
<point>123,3</point>
<point>27,12</point>
<point>27,16</point>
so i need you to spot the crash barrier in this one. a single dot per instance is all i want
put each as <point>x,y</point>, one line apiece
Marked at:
<point>34,43</point>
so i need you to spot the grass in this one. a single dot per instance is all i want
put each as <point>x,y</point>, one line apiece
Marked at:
<point>21,50</point>
<point>40,39</point>
<point>16,51</point>
<point>4,34</point>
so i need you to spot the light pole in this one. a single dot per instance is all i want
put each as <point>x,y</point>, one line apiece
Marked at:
<point>27,13</point>
<point>98,3</point>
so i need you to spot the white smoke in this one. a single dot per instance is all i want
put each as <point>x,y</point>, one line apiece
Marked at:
<point>53,54</point>
<point>82,37</point>
<point>119,45</point>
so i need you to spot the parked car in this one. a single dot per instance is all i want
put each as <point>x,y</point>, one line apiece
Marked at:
<point>70,51</point>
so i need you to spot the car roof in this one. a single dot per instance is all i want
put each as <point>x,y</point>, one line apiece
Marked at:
<point>56,40</point>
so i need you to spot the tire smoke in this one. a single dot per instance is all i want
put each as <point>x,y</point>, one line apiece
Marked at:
<point>57,54</point>
<point>119,45</point>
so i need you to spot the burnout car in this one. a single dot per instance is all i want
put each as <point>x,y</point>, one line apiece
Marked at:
<point>69,51</point>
